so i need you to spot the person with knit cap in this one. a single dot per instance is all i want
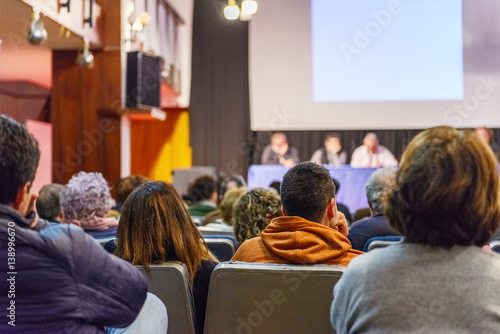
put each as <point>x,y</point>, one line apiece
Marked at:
<point>311,230</point>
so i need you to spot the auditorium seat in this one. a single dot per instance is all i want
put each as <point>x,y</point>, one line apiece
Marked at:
<point>222,246</point>
<point>495,246</point>
<point>170,282</point>
<point>271,298</point>
<point>380,242</point>
<point>211,230</point>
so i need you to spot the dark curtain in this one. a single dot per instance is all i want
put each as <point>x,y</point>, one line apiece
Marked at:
<point>220,132</point>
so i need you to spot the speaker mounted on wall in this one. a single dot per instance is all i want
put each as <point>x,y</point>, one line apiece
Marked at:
<point>143,80</point>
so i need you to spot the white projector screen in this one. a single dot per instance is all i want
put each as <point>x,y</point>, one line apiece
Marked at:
<point>374,64</point>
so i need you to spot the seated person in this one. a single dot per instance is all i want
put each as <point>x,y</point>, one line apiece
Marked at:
<point>371,154</point>
<point>446,203</point>
<point>342,207</point>
<point>253,211</point>
<point>48,206</point>
<point>85,201</point>
<point>231,182</point>
<point>64,281</point>
<point>275,187</point>
<point>377,188</point>
<point>155,227</point>
<point>278,152</point>
<point>204,194</point>
<point>124,186</point>
<point>225,212</point>
<point>331,153</point>
<point>311,231</point>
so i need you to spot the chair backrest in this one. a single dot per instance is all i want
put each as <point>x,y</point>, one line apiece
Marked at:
<point>495,246</point>
<point>169,281</point>
<point>210,230</point>
<point>222,246</point>
<point>271,298</point>
<point>380,242</point>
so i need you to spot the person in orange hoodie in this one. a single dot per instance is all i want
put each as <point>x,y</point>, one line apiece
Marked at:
<point>312,230</point>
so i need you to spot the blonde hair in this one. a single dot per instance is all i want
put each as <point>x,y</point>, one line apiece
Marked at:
<point>253,211</point>
<point>226,206</point>
<point>447,190</point>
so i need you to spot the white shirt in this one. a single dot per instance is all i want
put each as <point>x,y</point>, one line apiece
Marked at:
<point>384,157</point>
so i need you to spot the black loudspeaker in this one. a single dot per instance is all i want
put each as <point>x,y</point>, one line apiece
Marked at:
<point>143,80</point>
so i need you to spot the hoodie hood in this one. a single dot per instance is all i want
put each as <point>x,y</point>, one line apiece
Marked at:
<point>301,241</point>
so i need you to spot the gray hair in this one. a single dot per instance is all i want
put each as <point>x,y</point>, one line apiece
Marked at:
<point>381,181</point>
<point>86,197</point>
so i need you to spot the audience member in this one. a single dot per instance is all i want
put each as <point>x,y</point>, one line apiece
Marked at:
<point>64,281</point>
<point>363,213</point>
<point>124,187</point>
<point>275,187</point>
<point>446,203</point>
<point>371,154</point>
<point>231,182</point>
<point>278,152</point>
<point>331,153</point>
<point>341,207</point>
<point>204,194</point>
<point>311,230</point>
<point>253,211</point>
<point>225,211</point>
<point>487,135</point>
<point>378,187</point>
<point>48,205</point>
<point>85,201</point>
<point>155,227</point>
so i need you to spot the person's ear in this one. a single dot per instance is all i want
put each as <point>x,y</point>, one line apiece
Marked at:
<point>331,208</point>
<point>283,211</point>
<point>20,196</point>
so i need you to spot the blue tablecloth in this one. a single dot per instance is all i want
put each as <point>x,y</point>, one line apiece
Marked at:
<point>352,181</point>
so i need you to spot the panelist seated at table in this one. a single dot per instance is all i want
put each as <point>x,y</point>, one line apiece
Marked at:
<point>371,154</point>
<point>331,153</point>
<point>278,152</point>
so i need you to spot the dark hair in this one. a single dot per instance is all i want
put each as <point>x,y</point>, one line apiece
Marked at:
<point>447,190</point>
<point>235,178</point>
<point>126,185</point>
<point>276,185</point>
<point>19,156</point>
<point>202,188</point>
<point>155,227</point>
<point>47,204</point>
<point>332,135</point>
<point>306,190</point>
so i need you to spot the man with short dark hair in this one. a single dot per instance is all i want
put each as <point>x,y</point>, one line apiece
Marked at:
<point>377,225</point>
<point>58,279</point>
<point>204,194</point>
<point>312,231</point>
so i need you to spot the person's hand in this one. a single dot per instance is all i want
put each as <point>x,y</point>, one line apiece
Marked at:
<point>342,224</point>
<point>289,163</point>
<point>32,210</point>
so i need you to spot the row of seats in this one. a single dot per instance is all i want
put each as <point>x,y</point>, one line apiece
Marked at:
<point>250,297</point>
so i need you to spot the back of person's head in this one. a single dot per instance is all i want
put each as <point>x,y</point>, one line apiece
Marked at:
<point>306,191</point>
<point>126,185</point>
<point>47,204</point>
<point>253,211</point>
<point>19,156</point>
<point>379,185</point>
<point>86,197</point>
<point>231,182</point>
<point>336,184</point>
<point>202,188</point>
<point>155,227</point>
<point>226,205</point>
<point>275,186</point>
<point>447,190</point>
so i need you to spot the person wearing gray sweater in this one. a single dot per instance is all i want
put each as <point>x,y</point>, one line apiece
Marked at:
<point>446,202</point>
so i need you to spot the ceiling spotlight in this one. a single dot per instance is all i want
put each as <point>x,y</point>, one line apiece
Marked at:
<point>231,11</point>
<point>37,34</point>
<point>85,57</point>
<point>248,7</point>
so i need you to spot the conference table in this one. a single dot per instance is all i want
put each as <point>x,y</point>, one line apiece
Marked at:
<point>352,181</point>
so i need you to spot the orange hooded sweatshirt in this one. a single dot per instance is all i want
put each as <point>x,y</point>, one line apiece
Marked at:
<point>291,239</point>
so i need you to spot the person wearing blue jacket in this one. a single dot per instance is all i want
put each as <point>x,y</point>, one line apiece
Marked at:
<point>57,279</point>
